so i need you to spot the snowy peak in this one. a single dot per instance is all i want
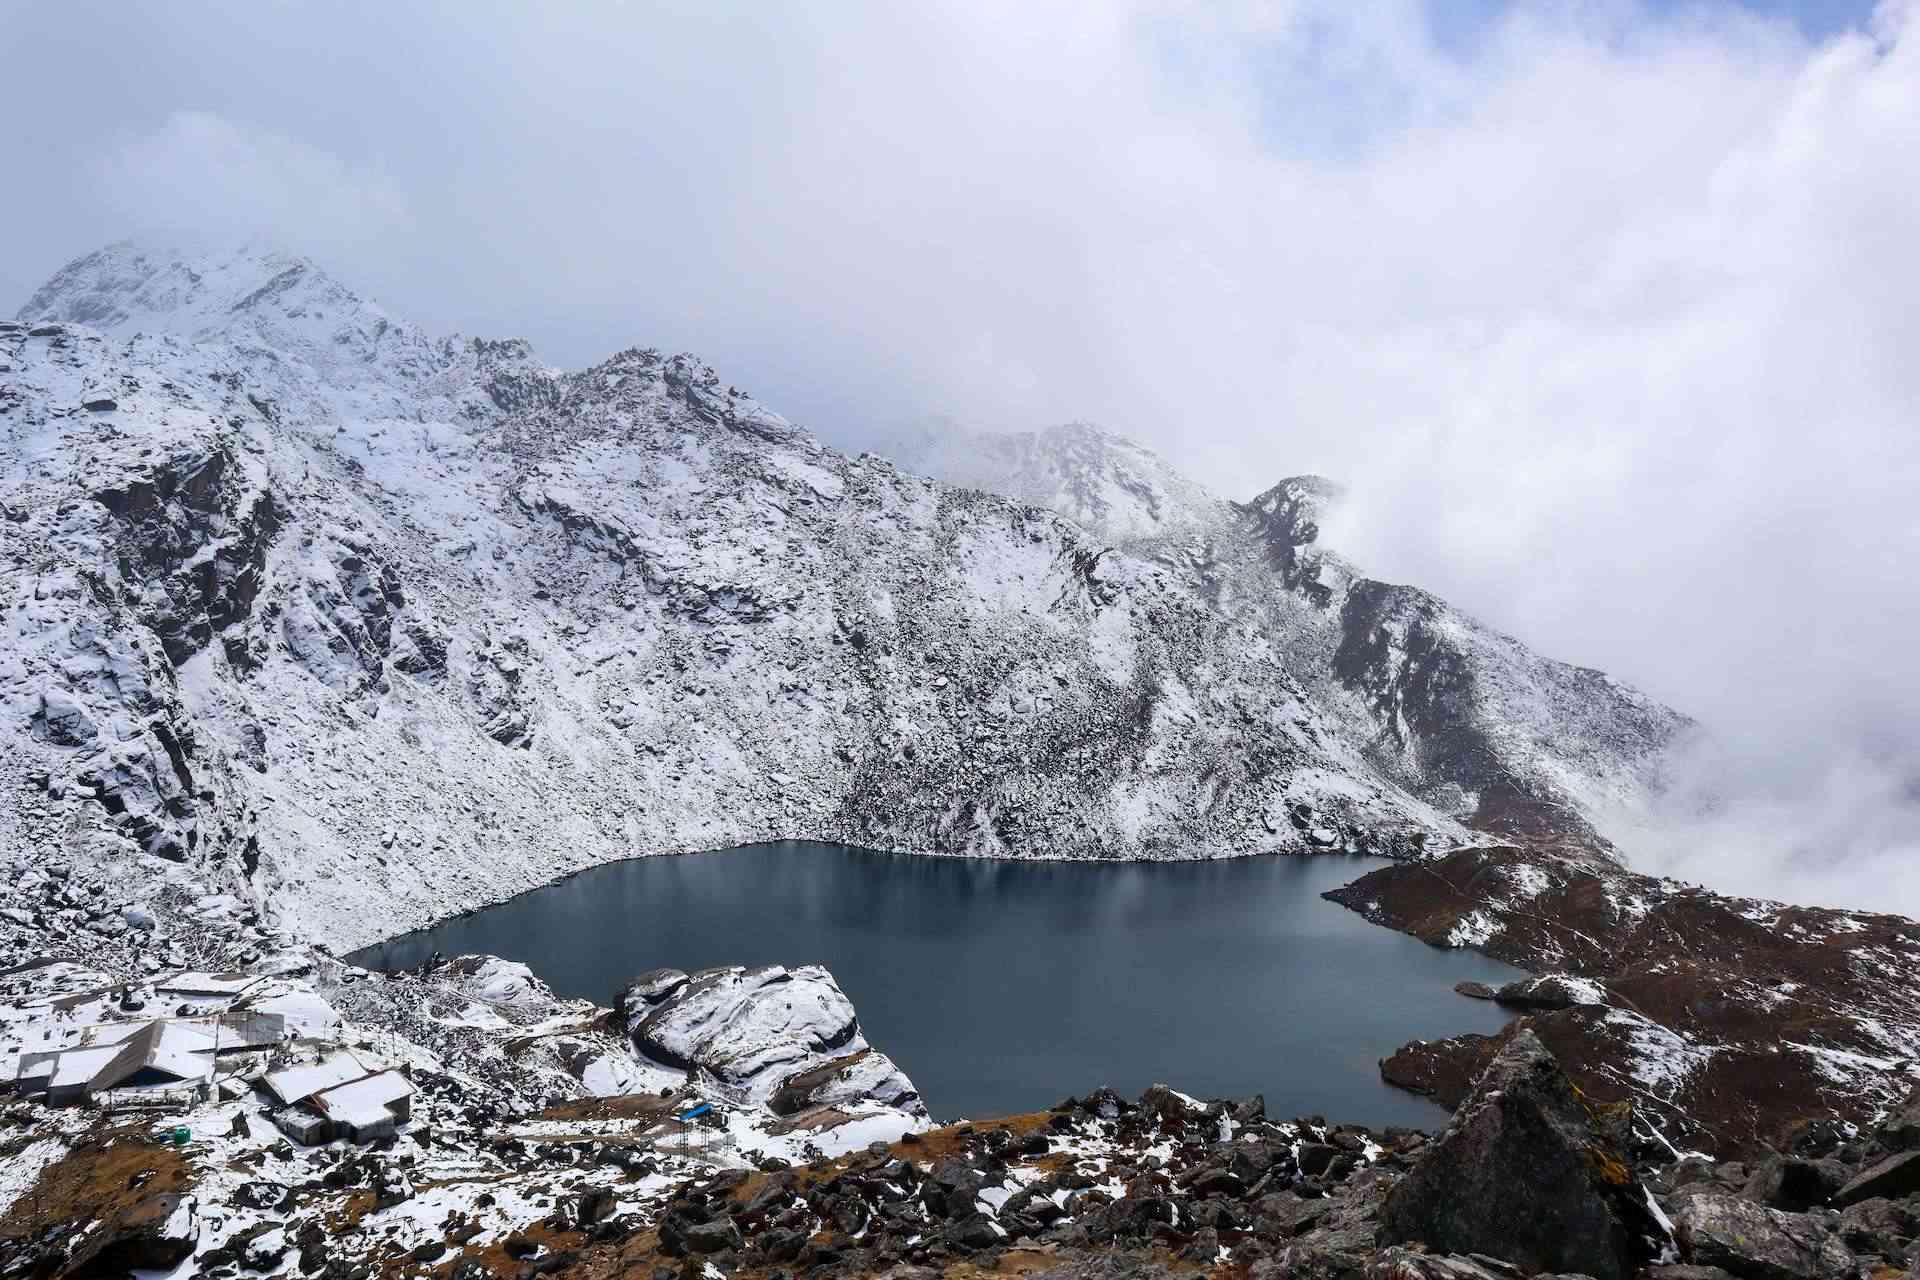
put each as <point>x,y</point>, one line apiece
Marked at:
<point>1114,487</point>
<point>328,353</point>
<point>129,288</point>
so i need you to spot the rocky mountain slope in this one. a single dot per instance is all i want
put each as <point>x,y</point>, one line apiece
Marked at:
<point>1729,1022</point>
<point>1459,714</point>
<point>380,626</point>
<point>1119,490</point>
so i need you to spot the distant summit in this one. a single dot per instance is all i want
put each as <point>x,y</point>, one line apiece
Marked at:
<point>129,288</point>
<point>326,350</point>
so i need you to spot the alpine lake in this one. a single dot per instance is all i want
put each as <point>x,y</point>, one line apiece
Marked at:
<point>1002,986</point>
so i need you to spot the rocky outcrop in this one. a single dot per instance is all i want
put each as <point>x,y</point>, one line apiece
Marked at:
<point>1549,991</point>
<point>1458,714</point>
<point>1730,1022</point>
<point>1527,1173</point>
<point>785,1037</point>
<point>1893,1178</point>
<point>154,1234</point>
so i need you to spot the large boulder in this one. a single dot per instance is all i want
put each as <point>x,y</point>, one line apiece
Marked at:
<point>742,1024</point>
<point>1900,1131</point>
<point>1894,1178</point>
<point>1758,1243</point>
<point>1550,991</point>
<point>861,1076</point>
<point>639,997</point>
<point>1528,1174</point>
<point>1398,1263</point>
<point>1884,1227</point>
<point>774,1032</point>
<point>1784,1182</point>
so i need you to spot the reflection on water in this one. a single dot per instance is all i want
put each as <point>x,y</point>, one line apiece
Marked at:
<point>1002,986</point>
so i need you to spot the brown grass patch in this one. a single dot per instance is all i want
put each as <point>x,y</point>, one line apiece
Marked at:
<point>94,1179</point>
<point>952,1140</point>
<point>632,1106</point>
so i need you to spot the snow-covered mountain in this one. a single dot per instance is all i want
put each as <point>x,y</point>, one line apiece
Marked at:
<point>381,626</point>
<point>1536,749</point>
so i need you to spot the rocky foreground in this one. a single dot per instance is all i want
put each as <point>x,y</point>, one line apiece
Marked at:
<point>1730,1078</point>
<point>1531,1177</point>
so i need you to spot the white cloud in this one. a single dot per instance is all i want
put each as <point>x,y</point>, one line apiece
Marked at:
<point>200,175</point>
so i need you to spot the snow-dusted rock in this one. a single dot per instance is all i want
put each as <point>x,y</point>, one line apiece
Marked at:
<point>1525,1173</point>
<point>495,981</point>
<point>1551,991</point>
<point>738,1022</point>
<point>769,1031</point>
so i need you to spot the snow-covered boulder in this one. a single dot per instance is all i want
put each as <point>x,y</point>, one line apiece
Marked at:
<point>496,981</point>
<point>760,1029</point>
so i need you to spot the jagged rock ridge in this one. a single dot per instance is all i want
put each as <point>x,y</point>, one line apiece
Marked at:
<point>1460,715</point>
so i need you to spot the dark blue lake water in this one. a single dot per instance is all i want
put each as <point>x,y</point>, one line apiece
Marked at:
<point>1003,986</point>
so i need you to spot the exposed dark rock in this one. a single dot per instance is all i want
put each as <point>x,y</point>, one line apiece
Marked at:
<point>1894,1177</point>
<point>1524,1174</point>
<point>1204,1248</point>
<point>1741,982</point>
<point>1398,1263</point>
<point>1781,1182</point>
<point>975,1231</point>
<point>155,1234</point>
<point>1284,1214</point>
<point>779,1244</point>
<point>1168,1107</point>
<point>1109,1266</point>
<point>1687,1271</point>
<point>1900,1131</point>
<point>712,1237</point>
<point>1883,1227</point>
<point>1548,991</point>
<point>595,1206</point>
<point>1315,1157</point>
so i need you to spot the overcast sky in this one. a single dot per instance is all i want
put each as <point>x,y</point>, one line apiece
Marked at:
<point>1608,312</point>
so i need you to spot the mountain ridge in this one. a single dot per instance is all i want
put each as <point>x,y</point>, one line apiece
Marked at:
<point>565,617</point>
